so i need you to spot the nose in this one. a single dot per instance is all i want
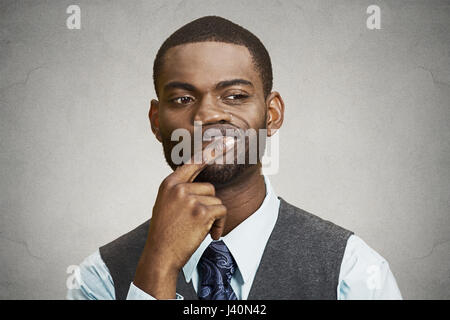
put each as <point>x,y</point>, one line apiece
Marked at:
<point>209,112</point>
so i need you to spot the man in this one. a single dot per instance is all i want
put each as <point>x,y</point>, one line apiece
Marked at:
<point>218,231</point>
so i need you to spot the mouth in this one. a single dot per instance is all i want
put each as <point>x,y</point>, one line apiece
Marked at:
<point>226,130</point>
<point>220,150</point>
<point>218,144</point>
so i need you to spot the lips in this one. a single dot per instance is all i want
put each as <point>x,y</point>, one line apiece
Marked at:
<point>209,132</point>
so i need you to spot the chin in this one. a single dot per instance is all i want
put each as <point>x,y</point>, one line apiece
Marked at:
<point>220,175</point>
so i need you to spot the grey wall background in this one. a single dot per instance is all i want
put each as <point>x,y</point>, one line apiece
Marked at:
<point>365,144</point>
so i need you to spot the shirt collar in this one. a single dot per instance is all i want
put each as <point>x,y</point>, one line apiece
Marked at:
<point>246,241</point>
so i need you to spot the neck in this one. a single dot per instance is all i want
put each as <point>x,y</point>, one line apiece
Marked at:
<point>242,197</point>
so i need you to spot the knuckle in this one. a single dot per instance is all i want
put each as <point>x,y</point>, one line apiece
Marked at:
<point>200,210</point>
<point>191,202</point>
<point>167,183</point>
<point>179,191</point>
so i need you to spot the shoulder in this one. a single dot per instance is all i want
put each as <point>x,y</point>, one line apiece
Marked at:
<point>90,280</point>
<point>360,260</point>
<point>358,249</point>
<point>365,274</point>
<point>133,239</point>
<point>299,222</point>
<point>121,256</point>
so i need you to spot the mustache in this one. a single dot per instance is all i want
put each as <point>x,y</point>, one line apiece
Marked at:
<point>225,130</point>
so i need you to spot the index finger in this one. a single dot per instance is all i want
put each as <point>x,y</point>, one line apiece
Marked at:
<point>189,171</point>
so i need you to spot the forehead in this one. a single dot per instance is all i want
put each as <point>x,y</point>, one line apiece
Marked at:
<point>203,64</point>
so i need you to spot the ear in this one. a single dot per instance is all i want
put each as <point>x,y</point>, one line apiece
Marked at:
<point>153,115</point>
<point>275,113</point>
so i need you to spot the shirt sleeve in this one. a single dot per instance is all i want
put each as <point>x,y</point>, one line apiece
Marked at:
<point>92,281</point>
<point>134,293</point>
<point>365,275</point>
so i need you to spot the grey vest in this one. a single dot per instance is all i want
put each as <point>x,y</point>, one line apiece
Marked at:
<point>302,259</point>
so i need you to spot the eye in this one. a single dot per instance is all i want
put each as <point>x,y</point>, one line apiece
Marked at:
<point>182,100</point>
<point>236,97</point>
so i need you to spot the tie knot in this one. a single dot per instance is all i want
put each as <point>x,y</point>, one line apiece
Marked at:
<point>219,257</point>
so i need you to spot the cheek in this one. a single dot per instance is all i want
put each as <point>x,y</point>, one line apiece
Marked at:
<point>250,116</point>
<point>170,121</point>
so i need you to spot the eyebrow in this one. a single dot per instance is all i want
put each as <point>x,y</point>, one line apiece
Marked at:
<point>222,84</point>
<point>179,85</point>
<point>229,83</point>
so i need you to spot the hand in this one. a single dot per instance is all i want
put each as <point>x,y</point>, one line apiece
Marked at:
<point>183,214</point>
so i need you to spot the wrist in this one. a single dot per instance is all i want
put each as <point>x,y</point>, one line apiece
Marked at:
<point>157,279</point>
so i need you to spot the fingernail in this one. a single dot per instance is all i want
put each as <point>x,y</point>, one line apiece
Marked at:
<point>229,142</point>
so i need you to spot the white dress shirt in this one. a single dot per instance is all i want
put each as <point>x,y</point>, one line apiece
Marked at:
<point>364,274</point>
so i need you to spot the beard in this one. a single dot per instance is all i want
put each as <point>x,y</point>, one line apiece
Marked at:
<point>219,174</point>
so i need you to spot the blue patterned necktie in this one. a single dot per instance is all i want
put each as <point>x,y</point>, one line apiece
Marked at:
<point>216,267</point>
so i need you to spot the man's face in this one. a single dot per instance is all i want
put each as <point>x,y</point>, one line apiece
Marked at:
<point>215,83</point>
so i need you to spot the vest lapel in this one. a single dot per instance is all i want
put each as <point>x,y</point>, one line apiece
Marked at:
<point>266,281</point>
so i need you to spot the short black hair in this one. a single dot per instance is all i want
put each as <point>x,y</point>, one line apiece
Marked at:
<point>214,28</point>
